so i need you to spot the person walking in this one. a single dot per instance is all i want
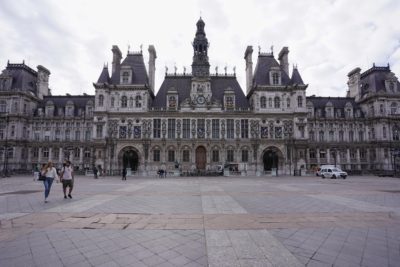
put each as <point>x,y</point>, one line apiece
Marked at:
<point>95,171</point>
<point>67,178</point>
<point>50,173</point>
<point>124,174</point>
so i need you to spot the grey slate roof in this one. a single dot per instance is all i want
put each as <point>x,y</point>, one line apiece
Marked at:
<point>80,101</point>
<point>373,79</point>
<point>183,84</point>
<point>320,102</point>
<point>296,78</point>
<point>104,76</point>
<point>136,62</point>
<point>23,77</point>
<point>261,72</point>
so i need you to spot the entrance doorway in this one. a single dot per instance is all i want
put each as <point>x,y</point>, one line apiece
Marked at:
<point>130,159</point>
<point>201,159</point>
<point>270,160</point>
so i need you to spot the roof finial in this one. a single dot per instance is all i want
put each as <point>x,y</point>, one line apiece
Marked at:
<point>234,70</point>
<point>129,47</point>
<point>259,49</point>
<point>184,70</point>
<point>166,70</point>
<point>175,68</point>
<point>141,48</point>
<point>272,49</point>
<point>225,68</point>
<point>216,70</point>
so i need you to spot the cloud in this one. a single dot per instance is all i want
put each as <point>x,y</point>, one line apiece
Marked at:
<point>326,39</point>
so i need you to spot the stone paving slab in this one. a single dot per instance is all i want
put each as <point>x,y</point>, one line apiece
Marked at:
<point>211,221</point>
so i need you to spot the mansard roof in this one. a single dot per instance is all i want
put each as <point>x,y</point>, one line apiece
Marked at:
<point>265,62</point>
<point>182,84</point>
<point>135,61</point>
<point>373,79</point>
<point>104,76</point>
<point>320,102</point>
<point>23,78</point>
<point>79,101</point>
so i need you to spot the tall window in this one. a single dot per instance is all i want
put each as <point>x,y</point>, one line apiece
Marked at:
<point>301,130</point>
<point>87,153</point>
<point>125,77</point>
<point>393,108</point>
<point>331,136</point>
<point>360,136</point>
<point>123,132</point>
<point>186,128</point>
<point>45,152</point>
<point>277,102</point>
<point>245,155</point>
<point>101,100</point>
<point>311,135</point>
<point>99,131</point>
<point>351,136</point>
<point>185,155</point>
<point>230,129</point>
<point>67,135</point>
<point>215,156</point>
<point>275,78</point>
<point>384,132</point>
<point>3,106</point>
<point>112,102</point>
<point>263,102</point>
<point>396,135</point>
<point>215,128</point>
<point>131,102</point>
<point>87,135</point>
<point>230,155</point>
<point>124,101</point>
<point>270,102</point>
<point>200,128</point>
<point>171,155</point>
<point>341,136</point>
<point>321,136</point>
<point>244,128</point>
<point>171,128</point>
<point>77,135</point>
<point>288,102</point>
<point>156,128</point>
<point>300,101</point>
<point>156,155</point>
<point>138,101</point>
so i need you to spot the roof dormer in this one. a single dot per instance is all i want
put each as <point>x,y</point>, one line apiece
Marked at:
<point>275,76</point>
<point>126,75</point>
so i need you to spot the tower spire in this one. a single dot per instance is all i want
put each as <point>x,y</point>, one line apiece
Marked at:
<point>200,65</point>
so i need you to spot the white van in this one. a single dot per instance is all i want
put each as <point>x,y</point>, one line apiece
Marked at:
<point>318,172</point>
<point>332,172</point>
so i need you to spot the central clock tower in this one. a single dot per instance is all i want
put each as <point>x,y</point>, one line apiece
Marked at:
<point>200,92</point>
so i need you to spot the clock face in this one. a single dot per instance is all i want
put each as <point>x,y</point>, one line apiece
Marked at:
<point>201,100</point>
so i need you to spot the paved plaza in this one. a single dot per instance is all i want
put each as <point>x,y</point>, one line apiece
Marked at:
<point>202,221</point>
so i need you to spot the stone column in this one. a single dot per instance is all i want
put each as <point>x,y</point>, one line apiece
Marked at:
<point>40,155</point>
<point>318,159</point>
<point>61,155</point>
<point>328,156</point>
<point>30,154</point>
<point>358,158</point>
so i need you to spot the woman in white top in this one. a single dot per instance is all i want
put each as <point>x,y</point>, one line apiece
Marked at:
<point>50,173</point>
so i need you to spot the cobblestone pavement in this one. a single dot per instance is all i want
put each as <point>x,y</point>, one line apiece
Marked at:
<point>219,221</point>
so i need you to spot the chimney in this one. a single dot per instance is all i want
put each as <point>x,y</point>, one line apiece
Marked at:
<point>354,83</point>
<point>152,66</point>
<point>284,59</point>
<point>249,68</point>
<point>42,81</point>
<point>117,56</point>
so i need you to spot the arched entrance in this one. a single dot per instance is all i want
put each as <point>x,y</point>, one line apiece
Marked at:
<point>270,160</point>
<point>201,158</point>
<point>130,159</point>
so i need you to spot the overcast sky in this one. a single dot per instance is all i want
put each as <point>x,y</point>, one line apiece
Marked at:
<point>326,38</point>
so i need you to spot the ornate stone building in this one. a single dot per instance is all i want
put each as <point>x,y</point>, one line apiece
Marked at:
<point>199,121</point>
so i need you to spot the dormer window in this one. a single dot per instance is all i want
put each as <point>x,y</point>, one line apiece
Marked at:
<point>275,77</point>
<point>172,102</point>
<point>126,75</point>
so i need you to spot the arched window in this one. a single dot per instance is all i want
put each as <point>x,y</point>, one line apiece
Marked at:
<point>331,136</point>
<point>311,136</point>
<point>277,102</point>
<point>124,102</point>
<point>112,101</point>
<point>288,102</point>
<point>384,132</point>
<point>263,102</point>
<point>138,101</point>
<point>396,135</point>
<point>101,100</point>
<point>125,77</point>
<point>300,101</point>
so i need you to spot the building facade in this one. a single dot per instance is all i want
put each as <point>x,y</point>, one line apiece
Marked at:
<point>199,122</point>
